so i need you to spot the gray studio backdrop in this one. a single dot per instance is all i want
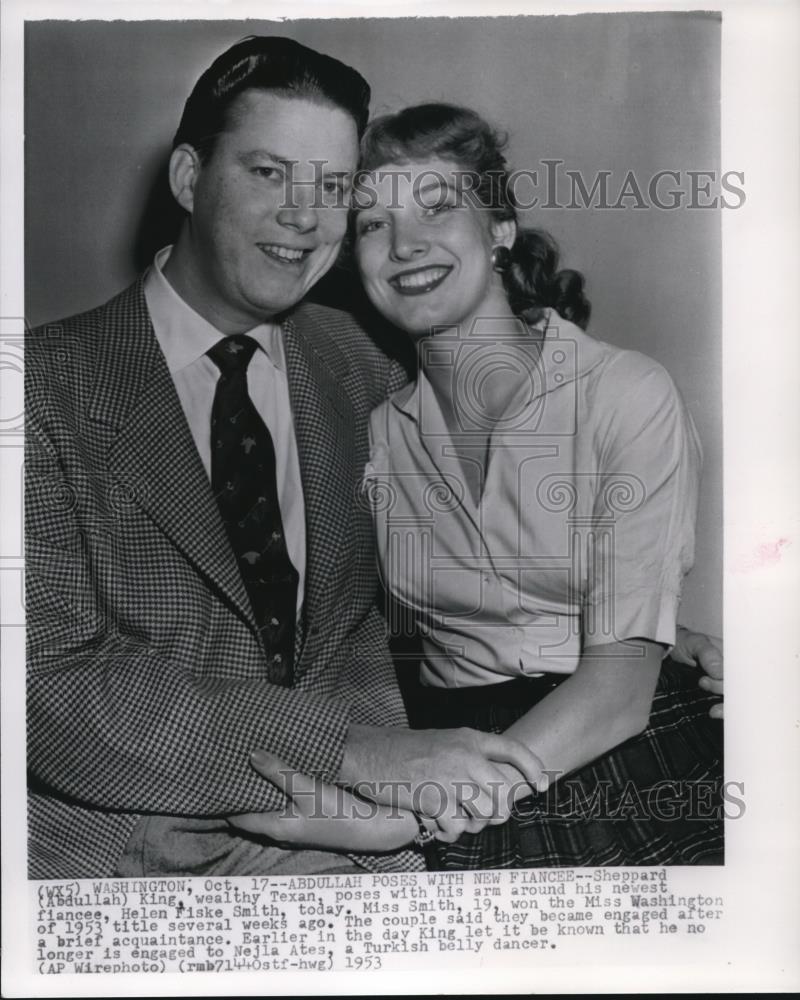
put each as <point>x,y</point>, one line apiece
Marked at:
<point>615,92</point>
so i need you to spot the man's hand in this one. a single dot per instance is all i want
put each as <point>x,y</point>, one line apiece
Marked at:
<point>322,816</point>
<point>450,776</point>
<point>697,649</point>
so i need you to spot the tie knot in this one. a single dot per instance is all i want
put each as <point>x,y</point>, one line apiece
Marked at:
<point>233,354</point>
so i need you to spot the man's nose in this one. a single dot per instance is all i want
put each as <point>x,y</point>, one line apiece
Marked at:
<point>299,212</point>
<point>408,243</point>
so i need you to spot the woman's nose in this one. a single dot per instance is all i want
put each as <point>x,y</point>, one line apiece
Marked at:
<point>408,243</point>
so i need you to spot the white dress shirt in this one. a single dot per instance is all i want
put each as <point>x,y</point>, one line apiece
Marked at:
<point>185,337</point>
<point>585,526</point>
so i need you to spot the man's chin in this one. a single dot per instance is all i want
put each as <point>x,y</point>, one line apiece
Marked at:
<point>281,300</point>
<point>290,292</point>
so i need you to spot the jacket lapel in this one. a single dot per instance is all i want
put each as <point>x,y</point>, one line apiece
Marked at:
<point>324,427</point>
<point>153,452</point>
<point>154,455</point>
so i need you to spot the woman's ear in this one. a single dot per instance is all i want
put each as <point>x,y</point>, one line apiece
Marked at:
<point>504,233</point>
<point>184,168</point>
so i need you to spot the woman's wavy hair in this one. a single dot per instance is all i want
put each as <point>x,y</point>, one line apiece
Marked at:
<point>532,280</point>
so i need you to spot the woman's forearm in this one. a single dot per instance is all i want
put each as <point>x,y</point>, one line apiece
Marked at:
<point>605,702</point>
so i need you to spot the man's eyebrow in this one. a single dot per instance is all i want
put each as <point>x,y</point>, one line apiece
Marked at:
<point>286,161</point>
<point>254,154</point>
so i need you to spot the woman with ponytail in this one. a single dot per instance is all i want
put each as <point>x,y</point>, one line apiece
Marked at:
<point>534,495</point>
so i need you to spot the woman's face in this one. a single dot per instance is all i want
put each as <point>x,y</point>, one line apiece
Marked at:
<point>424,247</point>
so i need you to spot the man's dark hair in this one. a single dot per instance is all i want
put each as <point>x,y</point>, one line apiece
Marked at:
<point>269,63</point>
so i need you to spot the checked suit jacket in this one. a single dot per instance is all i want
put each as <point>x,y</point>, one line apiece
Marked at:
<point>146,677</point>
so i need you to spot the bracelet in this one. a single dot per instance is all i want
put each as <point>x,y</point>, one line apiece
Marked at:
<point>425,835</point>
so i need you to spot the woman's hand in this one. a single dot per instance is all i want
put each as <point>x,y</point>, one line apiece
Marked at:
<point>697,649</point>
<point>452,777</point>
<point>324,816</point>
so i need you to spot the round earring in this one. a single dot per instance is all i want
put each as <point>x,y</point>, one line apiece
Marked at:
<point>501,258</point>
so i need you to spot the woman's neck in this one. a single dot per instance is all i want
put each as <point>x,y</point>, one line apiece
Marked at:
<point>489,366</point>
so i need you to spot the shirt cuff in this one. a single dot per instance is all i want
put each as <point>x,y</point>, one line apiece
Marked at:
<point>639,615</point>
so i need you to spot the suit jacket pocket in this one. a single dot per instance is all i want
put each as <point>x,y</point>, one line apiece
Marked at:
<point>62,605</point>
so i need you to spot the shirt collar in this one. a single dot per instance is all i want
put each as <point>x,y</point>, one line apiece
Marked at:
<point>581,353</point>
<point>183,335</point>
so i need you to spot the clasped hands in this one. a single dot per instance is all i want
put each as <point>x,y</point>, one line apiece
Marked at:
<point>451,781</point>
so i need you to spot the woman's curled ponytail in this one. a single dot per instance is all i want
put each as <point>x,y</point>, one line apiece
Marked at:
<point>534,283</point>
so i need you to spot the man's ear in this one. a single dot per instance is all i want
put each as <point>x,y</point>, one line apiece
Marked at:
<point>184,169</point>
<point>504,233</point>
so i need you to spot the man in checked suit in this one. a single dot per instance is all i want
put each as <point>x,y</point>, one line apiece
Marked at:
<point>154,668</point>
<point>150,677</point>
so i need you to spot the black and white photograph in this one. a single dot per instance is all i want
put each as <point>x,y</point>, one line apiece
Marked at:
<point>383,512</point>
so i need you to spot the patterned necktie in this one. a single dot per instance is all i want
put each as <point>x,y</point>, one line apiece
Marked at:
<point>244,482</point>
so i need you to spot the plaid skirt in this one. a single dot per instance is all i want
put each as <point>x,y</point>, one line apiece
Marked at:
<point>656,799</point>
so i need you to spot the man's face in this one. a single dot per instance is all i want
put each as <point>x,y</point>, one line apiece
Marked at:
<point>268,209</point>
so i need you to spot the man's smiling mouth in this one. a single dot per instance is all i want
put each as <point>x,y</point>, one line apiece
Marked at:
<point>282,254</point>
<point>420,281</point>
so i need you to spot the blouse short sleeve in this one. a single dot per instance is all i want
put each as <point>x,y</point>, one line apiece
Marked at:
<point>643,526</point>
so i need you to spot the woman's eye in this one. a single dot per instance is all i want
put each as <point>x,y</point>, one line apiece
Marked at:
<point>268,173</point>
<point>370,226</point>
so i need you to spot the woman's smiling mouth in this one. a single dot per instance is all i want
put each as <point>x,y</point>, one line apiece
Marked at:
<point>419,281</point>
